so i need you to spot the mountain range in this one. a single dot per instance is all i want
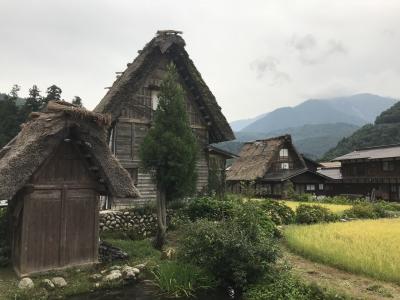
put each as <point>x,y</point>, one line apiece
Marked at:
<point>316,125</point>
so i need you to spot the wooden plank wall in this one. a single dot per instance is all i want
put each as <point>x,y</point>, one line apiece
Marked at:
<point>133,124</point>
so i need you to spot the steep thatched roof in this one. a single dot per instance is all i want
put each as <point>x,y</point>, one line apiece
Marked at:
<point>41,135</point>
<point>170,44</point>
<point>256,159</point>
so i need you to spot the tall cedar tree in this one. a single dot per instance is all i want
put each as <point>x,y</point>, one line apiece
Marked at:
<point>53,93</point>
<point>170,149</point>
<point>34,101</point>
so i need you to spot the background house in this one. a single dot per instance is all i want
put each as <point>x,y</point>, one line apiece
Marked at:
<point>266,166</point>
<point>373,172</point>
<point>53,173</point>
<point>132,100</point>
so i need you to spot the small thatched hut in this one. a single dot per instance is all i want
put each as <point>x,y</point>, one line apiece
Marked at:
<point>52,173</point>
<point>265,167</point>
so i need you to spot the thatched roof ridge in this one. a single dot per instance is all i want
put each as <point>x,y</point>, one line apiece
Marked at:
<point>255,158</point>
<point>172,45</point>
<point>40,136</point>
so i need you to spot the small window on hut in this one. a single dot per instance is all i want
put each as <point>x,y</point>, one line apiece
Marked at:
<point>321,186</point>
<point>285,166</point>
<point>133,172</point>
<point>283,153</point>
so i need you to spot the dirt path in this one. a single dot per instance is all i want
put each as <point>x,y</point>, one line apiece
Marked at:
<point>353,285</point>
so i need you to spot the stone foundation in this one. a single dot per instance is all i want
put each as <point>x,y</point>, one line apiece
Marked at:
<point>139,223</point>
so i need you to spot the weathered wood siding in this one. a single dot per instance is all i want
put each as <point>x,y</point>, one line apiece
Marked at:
<point>57,216</point>
<point>133,124</point>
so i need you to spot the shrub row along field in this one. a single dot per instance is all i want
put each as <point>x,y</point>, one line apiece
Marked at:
<point>366,247</point>
<point>335,208</point>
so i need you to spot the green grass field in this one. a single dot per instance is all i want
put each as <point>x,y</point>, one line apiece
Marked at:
<point>335,208</point>
<point>369,247</point>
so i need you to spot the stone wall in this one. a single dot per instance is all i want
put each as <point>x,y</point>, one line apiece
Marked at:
<point>138,222</point>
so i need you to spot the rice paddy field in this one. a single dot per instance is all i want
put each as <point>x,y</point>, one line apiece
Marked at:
<point>335,208</point>
<point>370,247</point>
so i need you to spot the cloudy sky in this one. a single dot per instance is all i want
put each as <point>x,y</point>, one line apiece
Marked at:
<point>254,55</point>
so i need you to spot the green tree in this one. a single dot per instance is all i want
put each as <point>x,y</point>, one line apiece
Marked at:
<point>169,150</point>
<point>34,101</point>
<point>14,92</point>
<point>53,93</point>
<point>77,101</point>
<point>9,120</point>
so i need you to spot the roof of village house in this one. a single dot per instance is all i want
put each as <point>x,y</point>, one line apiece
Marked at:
<point>378,152</point>
<point>40,136</point>
<point>256,158</point>
<point>171,44</point>
<point>333,173</point>
<point>219,151</point>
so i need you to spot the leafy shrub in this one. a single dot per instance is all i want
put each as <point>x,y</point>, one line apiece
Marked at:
<point>175,279</point>
<point>237,251</point>
<point>177,218</point>
<point>278,212</point>
<point>311,214</point>
<point>210,208</point>
<point>366,211</point>
<point>285,286</point>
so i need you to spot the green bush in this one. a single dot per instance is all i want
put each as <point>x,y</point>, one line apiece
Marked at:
<point>366,211</point>
<point>238,251</point>
<point>210,208</point>
<point>311,214</point>
<point>278,212</point>
<point>175,279</point>
<point>284,286</point>
<point>177,218</point>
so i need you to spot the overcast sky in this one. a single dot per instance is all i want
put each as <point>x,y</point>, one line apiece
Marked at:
<point>254,55</point>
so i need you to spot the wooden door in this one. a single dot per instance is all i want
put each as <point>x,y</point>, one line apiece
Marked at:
<point>41,231</point>
<point>60,229</point>
<point>80,235</point>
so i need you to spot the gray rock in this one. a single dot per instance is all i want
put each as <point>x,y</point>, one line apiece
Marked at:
<point>113,276</point>
<point>96,277</point>
<point>26,283</point>
<point>47,284</point>
<point>59,282</point>
<point>140,267</point>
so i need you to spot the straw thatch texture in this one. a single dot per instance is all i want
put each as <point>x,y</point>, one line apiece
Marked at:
<point>171,46</point>
<point>40,136</point>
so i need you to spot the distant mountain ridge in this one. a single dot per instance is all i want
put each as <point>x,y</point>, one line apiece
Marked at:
<point>316,125</point>
<point>312,140</point>
<point>358,109</point>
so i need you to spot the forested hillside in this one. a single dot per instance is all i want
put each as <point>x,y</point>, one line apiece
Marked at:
<point>385,131</point>
<point>14,110</point>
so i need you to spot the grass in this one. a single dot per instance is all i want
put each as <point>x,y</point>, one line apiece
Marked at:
<point>78,279</point>
<point>177,280</point>
<point>335,208</point>
<point>363,247</point>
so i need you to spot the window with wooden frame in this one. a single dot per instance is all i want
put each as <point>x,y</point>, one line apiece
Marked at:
<point>284,153</point>
<point>310,187</point>
<point>321,186</point>
<point>285,166</point>
<point>387,166</point>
